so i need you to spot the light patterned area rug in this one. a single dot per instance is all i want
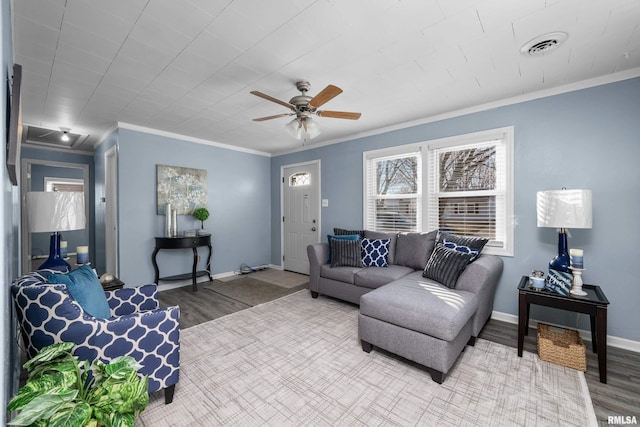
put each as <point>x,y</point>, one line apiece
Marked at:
<point>298,361</point>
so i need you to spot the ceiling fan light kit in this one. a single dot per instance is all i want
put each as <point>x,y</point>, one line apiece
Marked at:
<point>303,107</point>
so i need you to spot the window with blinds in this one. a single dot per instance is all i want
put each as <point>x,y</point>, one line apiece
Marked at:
<point>393,193</point>
<point>467,182</point>
<point>470,187</point>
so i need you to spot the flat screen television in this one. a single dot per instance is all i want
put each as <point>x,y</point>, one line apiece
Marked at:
<point>14,131</point>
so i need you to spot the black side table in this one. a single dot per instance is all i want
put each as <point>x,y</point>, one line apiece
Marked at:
<point>184,243</point>
<point>113,285</point>
<point>594,304</point>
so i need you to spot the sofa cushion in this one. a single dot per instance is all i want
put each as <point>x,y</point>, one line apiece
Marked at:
<point>345,253</point>
<point>421,306</point>
<point>388,235</point>
<point>413,249</point>
<point>340,274</point>
<point>342,232</point>
<point>341,237</point>
<point>373,277</point>
<point>374,252</point>
<point>445,265</point>
<point>464,244</point>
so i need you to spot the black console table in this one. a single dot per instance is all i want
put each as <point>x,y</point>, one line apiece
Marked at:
<point>184,243</point>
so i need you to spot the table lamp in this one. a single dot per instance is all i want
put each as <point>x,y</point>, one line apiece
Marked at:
<point>55,211</point>
<point>563,209</point>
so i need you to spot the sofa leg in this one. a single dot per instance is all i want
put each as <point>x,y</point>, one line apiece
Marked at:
<point>168,394</point>
<point>472,341</point>
<point>437,376</point>
<point>314,294</point>
<point>366,347</point>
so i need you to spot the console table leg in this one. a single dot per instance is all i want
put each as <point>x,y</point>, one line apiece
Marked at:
<point>193,271</point>
<point>209,262</point>
<point>155,265</point>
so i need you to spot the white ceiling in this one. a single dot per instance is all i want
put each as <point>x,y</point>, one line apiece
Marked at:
<point>187,67</point>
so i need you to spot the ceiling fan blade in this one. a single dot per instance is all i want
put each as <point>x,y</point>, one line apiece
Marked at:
<point>262,119</point>
<point>327,94</point>
<point>272,99</point>
<point>339,114</point>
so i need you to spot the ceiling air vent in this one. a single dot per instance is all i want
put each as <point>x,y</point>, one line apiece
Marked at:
<point>544,44</point>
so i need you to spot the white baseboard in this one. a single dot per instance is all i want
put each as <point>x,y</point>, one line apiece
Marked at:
<point>612,341</point>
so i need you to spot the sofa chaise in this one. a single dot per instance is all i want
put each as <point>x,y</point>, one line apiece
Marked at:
<point>427,299</point>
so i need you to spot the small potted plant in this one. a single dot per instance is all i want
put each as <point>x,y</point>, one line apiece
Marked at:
<point>201,214</point>
<point>61,390</point>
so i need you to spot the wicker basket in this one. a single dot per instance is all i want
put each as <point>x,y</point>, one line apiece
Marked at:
<point>564,348</point>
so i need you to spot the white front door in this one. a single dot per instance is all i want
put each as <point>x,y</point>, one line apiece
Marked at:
<point>300,213</point>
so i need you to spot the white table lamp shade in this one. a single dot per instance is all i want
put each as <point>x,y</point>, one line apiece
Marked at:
<point>55,211</point>
<point>564,209</point>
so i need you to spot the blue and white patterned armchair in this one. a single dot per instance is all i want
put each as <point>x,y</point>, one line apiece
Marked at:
<point>48,314</point>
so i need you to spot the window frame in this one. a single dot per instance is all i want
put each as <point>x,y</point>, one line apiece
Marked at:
<point>504,217</point>
<point>505,138</point>
<point>370,157</point>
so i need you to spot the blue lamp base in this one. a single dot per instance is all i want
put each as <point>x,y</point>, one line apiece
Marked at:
<point>55,261</point>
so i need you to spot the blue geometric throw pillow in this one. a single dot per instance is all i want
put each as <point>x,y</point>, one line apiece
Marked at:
<point>375,252</point>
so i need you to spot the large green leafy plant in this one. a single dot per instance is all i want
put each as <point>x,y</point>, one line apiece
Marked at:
<point>63,391</point>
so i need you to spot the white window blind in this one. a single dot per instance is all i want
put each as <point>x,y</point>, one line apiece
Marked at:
<point>470,189</point>
<point>393,191</point>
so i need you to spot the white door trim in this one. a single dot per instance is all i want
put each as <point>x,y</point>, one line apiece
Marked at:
<point>293,165</point>
<point>111,207</point>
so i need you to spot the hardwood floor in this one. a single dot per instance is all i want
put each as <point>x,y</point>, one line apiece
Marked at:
<point>619,397</point>
<point>200,306</point>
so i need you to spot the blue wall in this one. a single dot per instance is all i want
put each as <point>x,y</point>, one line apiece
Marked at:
<point>582,139</point>
<point>238,201</point>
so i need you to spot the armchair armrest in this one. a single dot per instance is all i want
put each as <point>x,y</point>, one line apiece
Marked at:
<point>318,254</point>
<point>133,300</point>
<point>152,338</point>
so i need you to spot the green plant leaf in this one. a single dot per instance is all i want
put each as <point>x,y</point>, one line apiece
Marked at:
<point>65,364</point>
<point>43,406</point>
<point>73,415</point>
<point>39,386</point>
<point>49,353</point>
<point>116,419</point>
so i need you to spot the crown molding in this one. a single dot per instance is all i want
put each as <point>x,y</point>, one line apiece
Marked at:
<point>128,126</point>
<point>545,93</point>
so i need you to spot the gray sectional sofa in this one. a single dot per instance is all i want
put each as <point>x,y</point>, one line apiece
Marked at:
<point>403,312</point>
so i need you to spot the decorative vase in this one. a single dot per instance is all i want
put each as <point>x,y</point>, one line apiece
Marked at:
<point>174,223</point>
<point>168,231</point>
